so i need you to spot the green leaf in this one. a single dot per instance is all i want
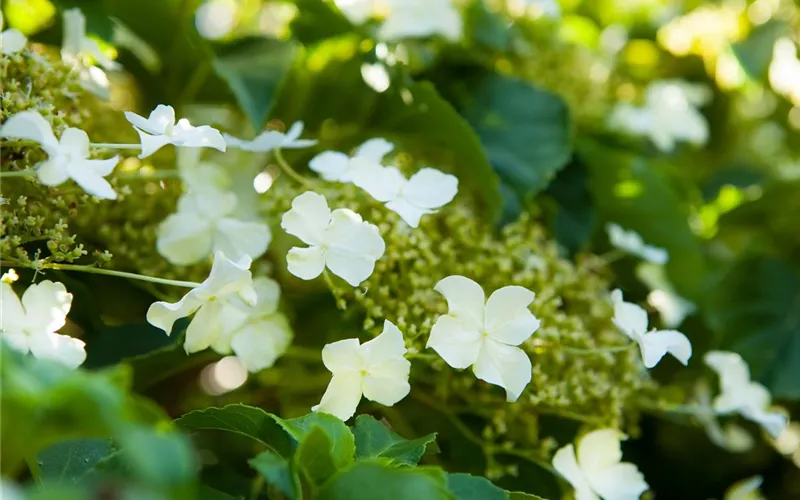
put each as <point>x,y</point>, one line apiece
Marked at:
<point>161,458</point>
<point>379,480</point>
<point>277,471</point>
<point>67,461</point>
<point>755,310</point>
<point>314,456</point>
<point>525,131</point>
<point>518,495</point>
<point>115,343</point>
<point>755,51</point>
<point>253,69</point>
<point>247,421</point>
<point>343,445</point>
<point>316,21</point>
<point>469,487</point>
<point>375,440</point>
<point>575,213</point>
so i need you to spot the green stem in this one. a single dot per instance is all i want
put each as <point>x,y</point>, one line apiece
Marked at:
<point>288,170</point>
<point>599,350</point>
<point>120,274</point>
<point>108,145</point>
<point>18,173</point>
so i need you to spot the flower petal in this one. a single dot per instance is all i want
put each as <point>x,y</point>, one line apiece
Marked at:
<point>12,41</point>
<point>465,300</point>
<point>160,119</point>
<point>258,345</point>
<point>353,246</point>
<point>409,213</point>
<point>308,218</point>
<point>599,450</point>
<point>268,293</point>
<point>430,188</point>
<point>74,32</point>
<point>30,125</point>
<point>457,343</point>
<point>184,238</point>
<point>732,370</point>
<point>565,463</point>
<point>12,315</point>
<point>198,137</point>
<point>388,383</point>
<point>151,143</point>
<point>88,174</point>
<point>374,149</point>
<point>235,238</point>
<point>163,315</point>
<point>342,356</point>
<point>342,396</point>
<point>382,183</point>
<point>213,322</point>
<point>504,365</point>
<point>388,345</point>
<point>228,278</point>
<point>772,422</point>
<point>620,481</point>
<point>46,306</point>
<point>655,345</point>
<point>62,349</point>
<point>629,318</point>
<point>53,171</point>
<point>305,263</point>
<point>508,319</point>
<point>16,340</point>
<point>330,165</point>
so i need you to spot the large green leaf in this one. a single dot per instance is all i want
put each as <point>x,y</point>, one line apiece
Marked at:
<point>379,480</point>
<point>341,440</point>
<point>375,440</point>
<point>315,458</point>
<point>469,487</point>
<point>317,20</point>
<point>755,309</point>
<point>755,51</point>
<point>68,460</point>
<point>278,472</point>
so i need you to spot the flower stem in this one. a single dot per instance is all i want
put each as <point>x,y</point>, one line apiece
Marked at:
<point>107,145</point>
<point>120,274</point>
<point>599,350</point>
<point>18,173</point>
<point>288,170</point>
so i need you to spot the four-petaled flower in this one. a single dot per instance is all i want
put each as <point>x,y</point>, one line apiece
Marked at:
<point>740,394</point>
<point>597,470</point>
<point>632,243</point>
<point>68,158</point>
<point>376,370</point>
<point>30,325</point>
<point>425,192</point>
<point>11,40</point>
<point>632,320</point>
<point>272,139</point>
<point>214,304</point>
<point>160,129</point>
<point>339,240</point>
<point>81,52</point>
<point>338,167</point>
<point>484,333</point>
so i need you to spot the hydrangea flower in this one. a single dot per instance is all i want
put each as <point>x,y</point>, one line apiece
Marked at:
<point>376,370</point>
<point>632,320</point>
<point>421,19</point>
<point>68,158</point>
<point>669,114</point>
<point>11,40</point>
<point>272,139</point>
<point>732,437</point>
<point>339,240</point>
<point>30,325</point>
<point>631,242</point>
<point>358,11</point>
<point>81,51</point>
<point>741,395</point>
<point>338,167</point>
<point>215,304</point>
<point>425,192</point>
<point>746,489</point>
<point>484,333</point>
<point>597,470</point>
<point>160,129</point>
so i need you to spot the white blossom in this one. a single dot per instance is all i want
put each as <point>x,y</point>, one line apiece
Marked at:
<point>376,370</point>
<point>339,240</point>
<point>160,129</point>
<point>216,304</point>
<point>672,307</point>
<point>358,11</point>
<point>738,394</point>
<point>784,70</point>
<point>68,158</point>
<point>421,19</point>
<point>484,333</point>
<point>272,139</point>
<point>669,114</point>
<point>632,320</point>
<point>30,325</point>
<point>81,52</point>
<point>631,242</point>
<point>11,40</point>
<point>425,192</point>
<point>732,437</point>
<point>746,489</point>
<point>339,167</point>
<point>537,8</point>
<point>597,471</point>
<point>214,19</point>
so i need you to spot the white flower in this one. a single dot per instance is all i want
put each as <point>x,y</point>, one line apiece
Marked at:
<point>483,333</point>
<point>669,114</point>
<point>732,437</point>
<point>215,304</point>
<point>740,395</point>
<point>358,11</point>
<point>160,129</point>
<point>631,242</point>
<point>31,325</point>
<point>215,18</point>
<point>420,19</point>
<point>11,40</point>
<point>338,167</point>
<point>67,158</point>
<point>206,223</point>
<point>426,190</point>
<point>746,489</point>
<point>597,470</point>
<point>376,370</point>
<point>631,320</point>
<point>81,52</point>
<point>784,70</point>
<point>272,139</point>
<point>338,240</point>
<point>537,8</point>
<point>672,307</point>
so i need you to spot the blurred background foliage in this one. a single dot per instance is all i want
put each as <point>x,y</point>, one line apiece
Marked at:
<point>520,107</point>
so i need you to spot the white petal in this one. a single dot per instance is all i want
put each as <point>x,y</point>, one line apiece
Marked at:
<point>185,238</point>
<point>234,142</point>
<point>430,188</point>
<point>465,299</point>
<point>389,344</point>
<point>772,422</point>
<point>269,294</point>
<point>353,246</point>
<point>228,278</point>
<point>92,48</point>
<point>508,319</point>
<point>198,137</point>
<point>620,481</point>
<point>374,149</point>
<point>342,356</point>
<point>62,349</point>
<point>330,165</point>
<point>655,345</point>
<point>151,143</point>
<point>53,171</point>
<point>504,365</point>
<point>457,343</point>
<point>163,315</point>
<point>258,345</point>
<point>342,396</point>
<point>629,318</point>
<point>599,450</point>
<point>746,489</point>
<point>74,28</point>
<point>30,125</point>
<point>11,41</point>
<point>382,183</point>
<point>12,315</point>
<point>141,122</point>
<point>565,463</point>
<point>160,119</point>
<point>387,384</point>
<point>732,370</point>
<point>308,218</point>
<point>655,255</point>
<point>235,238</point>
<point>212,323</point>
<point>46,306</point>
<point>291,140</point>
<point>411,214</point>
<point>305,263</point>
<point>88,174</point>
<point>16,340</point>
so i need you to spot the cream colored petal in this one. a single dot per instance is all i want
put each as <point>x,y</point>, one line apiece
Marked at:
<point>429,188</point>
<point>565,463</point>
<point>258,345</point>
<point>388,345</point>
<point>12,314</point>
<point>382,183</point>
<point>388,383</point>
<point>151,143</point>
<point>88,174</point>
<point>12,41</point>
<point>508,319</point>
<point>16,340</point>
<point>732,370</point>
<point>458,344</point>
<point>205,328</point>
<point>619,482</point>
<point>599,450</point>
<point>235,238</point>
<point>308,218</point>
<point>198,137</point>
<point>269,295</point>
<point>53,171</point>
<point>185,238</point>
<point>353,246</point>
<point>342,356</point>
<point>62,349</point>
<point>504,365</point>
<point>305,263</point>
<point>342,396</point>
<point>330,165</point>
<point>228,278</point>
<point>30,125</point>
<point>163,315</point>
<point>655,345</point>
<point>629,318</point>
<point>46,306</point>
<point>465,299</point>
<point>374,149</point>
<point>160,119</point>
<point>411,214</point>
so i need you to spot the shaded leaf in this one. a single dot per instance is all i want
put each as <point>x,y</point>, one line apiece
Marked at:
<point>755,51</point>
<point>67,461</point>
<point>469,487</point>
<point>314,456</point>
<point>341,439</point>
<point>378,480</point>
<point>316,21</point>
<point>375,440</point>
<point>277,471</point>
